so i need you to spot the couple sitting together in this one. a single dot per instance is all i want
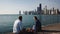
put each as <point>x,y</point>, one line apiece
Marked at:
<point>17,27</point>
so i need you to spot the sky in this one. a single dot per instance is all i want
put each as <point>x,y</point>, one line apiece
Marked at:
<point>14,6</point>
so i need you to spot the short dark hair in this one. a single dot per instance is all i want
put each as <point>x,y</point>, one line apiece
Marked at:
<point>20,18</point>
<point>35,17</point>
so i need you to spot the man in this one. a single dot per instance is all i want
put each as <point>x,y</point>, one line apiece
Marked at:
<point>37,24</point>
<point>17,25</point>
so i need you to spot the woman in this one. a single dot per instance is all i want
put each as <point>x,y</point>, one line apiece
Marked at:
<point>37,24</point>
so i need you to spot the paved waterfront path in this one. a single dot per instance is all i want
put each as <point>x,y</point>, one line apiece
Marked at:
<point>50,29</point>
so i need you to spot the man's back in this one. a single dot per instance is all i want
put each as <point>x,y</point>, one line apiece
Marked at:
<point>17,26</point>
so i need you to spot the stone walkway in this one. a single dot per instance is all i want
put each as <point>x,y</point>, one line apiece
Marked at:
<point>55,27</point>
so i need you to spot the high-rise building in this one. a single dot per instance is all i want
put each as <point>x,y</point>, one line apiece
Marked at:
<point>39,9</point>
<point>19,12</point>
<point>46,11</point>
<point>50,12</point>
<point>58,11</point>
<point>25,12</point>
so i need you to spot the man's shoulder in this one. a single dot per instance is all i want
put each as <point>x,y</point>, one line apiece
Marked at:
<point>17,20</point>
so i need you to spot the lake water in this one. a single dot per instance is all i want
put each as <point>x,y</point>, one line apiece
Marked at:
<point>7,21</point>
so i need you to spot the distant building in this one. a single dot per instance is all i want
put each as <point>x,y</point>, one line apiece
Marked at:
<point>46,11</point>
<point>58,11</point>
<point>30,12</point>
<point>25,12</point>
<point>39,9</point>
<point>19,12</point>
<point>52,11</point>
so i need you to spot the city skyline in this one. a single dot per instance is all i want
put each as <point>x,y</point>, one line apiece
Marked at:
<point>14,6</point>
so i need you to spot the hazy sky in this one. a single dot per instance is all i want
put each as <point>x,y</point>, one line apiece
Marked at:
<point>13,6</point>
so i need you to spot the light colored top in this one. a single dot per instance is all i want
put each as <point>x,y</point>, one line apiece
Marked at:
<point>33,27</point>
<point>17,27</point>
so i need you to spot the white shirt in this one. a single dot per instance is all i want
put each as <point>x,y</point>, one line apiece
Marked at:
<point>33,27</point>
<point>17,26</point>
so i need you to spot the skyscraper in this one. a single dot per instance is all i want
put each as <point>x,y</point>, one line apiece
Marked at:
<point>39,9</point>
<point>19,12</point>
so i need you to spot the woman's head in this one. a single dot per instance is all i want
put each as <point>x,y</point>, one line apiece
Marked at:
<point>35,18</point>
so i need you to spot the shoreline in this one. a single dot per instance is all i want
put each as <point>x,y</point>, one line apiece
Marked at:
<point>50,24</point>
<point>55,26</point>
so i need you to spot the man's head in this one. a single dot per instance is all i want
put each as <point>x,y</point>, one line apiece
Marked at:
<point>20,18</point>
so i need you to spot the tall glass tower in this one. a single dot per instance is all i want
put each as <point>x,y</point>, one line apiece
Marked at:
<point>39,9</point>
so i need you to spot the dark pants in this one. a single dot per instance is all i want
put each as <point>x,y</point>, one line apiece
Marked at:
<point>15,33</point>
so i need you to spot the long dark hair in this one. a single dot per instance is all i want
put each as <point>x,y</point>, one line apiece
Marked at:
<point>35,17</point>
